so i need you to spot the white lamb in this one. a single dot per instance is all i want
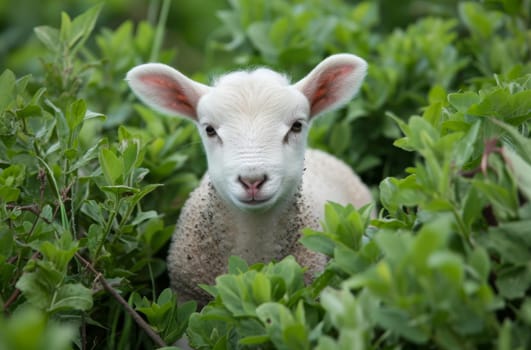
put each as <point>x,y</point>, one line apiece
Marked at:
<point>262,185</point>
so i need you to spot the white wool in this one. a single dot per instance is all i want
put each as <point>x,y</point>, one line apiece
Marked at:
<point>262,186</point>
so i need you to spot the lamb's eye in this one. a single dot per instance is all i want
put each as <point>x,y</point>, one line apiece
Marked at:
<point>296,127</point>
<point>210,131</point>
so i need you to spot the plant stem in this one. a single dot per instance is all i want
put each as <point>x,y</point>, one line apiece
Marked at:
<point>139,320</point>
<point>159,33</point>
<point>107,229</point>
<point>64,217</point>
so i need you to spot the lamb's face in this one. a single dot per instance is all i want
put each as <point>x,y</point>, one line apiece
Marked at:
<point>253,124</point>
<point>254,128</point>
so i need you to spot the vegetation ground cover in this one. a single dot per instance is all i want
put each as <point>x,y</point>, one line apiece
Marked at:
<point>91,182</point>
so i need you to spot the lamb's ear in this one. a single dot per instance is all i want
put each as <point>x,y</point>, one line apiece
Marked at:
<point>333,82</point>
<point>166,89</point>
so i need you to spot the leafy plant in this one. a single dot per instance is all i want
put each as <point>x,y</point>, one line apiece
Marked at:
<point>91,185</point>
<point>72,220</point>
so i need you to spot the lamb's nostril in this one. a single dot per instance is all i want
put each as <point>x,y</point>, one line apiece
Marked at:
<point>252,182</point>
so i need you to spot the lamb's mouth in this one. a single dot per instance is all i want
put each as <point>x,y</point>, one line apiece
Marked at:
<point>255,204</point>
<point>255,201</point>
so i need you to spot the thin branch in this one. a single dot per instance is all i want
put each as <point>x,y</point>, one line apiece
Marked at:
<point>16,293</point>
<point>139,320</point>
<point>12,298</point>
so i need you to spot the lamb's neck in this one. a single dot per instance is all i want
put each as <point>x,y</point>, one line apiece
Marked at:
<point>259,236</point>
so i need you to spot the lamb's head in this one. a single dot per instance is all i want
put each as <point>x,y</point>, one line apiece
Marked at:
<point>253,124</point>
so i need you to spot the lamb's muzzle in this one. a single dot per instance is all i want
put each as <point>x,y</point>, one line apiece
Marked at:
<point>262,185</point>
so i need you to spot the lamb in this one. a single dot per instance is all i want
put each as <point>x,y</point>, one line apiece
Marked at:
<point>262,185</point>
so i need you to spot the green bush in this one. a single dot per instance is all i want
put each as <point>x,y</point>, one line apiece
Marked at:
<point>91,184</point>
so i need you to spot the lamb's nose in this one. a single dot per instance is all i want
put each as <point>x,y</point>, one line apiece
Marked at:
<point>252,184</point>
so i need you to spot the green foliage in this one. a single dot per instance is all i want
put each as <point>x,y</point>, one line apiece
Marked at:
<point>404,63</point>
<point>91,183</point>
<point>71,192</point>
<point>445,265</point>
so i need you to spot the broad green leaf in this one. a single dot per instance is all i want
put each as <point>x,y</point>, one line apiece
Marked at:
<point>317,242</point>
<point>513,283</point>
<point>87,156</point>
<point>75,114</point>
<point>49,37</point>
<point>111,165</point>
<point>433,113</point>
<point>289,271</point>
<point>59,253</point>
<point>465,147</point>
<point>236,294</point>
<point>82,26</point>
<point>72,296</point>
<point>522,171</point>
<point>237,265</point>
<point>462,101</point>
<point>131,155</point>
<point>402,324</point>
<point>510,240</point>
<point>479,260</point>
<point>7,84</point>
<point>261,289</point>
<point>66,27</point>
<point>349,261</point>
<point>276,318</point>
<point>295,337</point>
<point>501,197</point>
<point>448,265</point>
<point>35,290</point>
<point>515,140</point>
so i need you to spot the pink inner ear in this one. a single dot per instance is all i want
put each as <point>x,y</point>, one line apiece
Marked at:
<point>326,92</point>
<point>170,94</point>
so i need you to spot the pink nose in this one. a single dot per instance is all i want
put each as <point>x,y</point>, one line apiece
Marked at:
<point>252,185</point>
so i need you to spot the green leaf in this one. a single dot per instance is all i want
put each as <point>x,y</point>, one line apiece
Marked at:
<point>235,292</point>
<point>513,282</point>
<point>464,148</point>
<point>254,340</point>
<point>261,289</point>
<point>401,323</point>
<point>112,166</point>
<point>463,100</point>
<point>318,242</point>
<point>522,171</point>
<point>10,178</point>
<point>433,113</point>
<point>258,33</point>
<point>87,156</point>
<point>49,37</point>
<point>448,265</point>
<point>237,265</point>
<point>75,114</point>
<point>72,296</point>
<point>478,20</point>
<point>66,27</point>
<point>132,157</point>
<point>7,85</point>
<point>480,262</point>
<point>82,26</point>
<point>340,137</point>
<point>35,290</point>
<point>276,319</point>
<point>511,240</point>
<point>515,140</point>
